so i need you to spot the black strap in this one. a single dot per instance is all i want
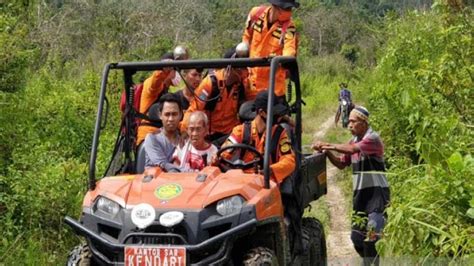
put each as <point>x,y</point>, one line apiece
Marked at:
<point>247,133</point>
<point>246,139</point>
<point>211,105</point>
<point>274,142</point>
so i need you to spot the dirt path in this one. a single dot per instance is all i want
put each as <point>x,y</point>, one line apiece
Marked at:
<point>338,242</point>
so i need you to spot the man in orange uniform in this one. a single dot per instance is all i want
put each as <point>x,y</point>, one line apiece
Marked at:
<point>153,87</point>
<point>283,159</point>
<point>270,31</point>
<point>218,96</point>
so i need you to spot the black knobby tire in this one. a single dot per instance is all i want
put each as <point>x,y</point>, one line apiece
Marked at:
<point>260,256</point>
<point>80,256</point>
<point>314,242</point>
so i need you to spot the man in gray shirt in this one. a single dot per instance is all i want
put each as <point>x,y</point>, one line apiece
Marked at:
<point>159,147</point>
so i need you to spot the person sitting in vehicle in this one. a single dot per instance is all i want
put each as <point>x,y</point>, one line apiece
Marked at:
<point>159,147</point>
<point>155,86</point>
<point>219,96</point>
<point>283,157</point>
<point>196,153</point>
<point>192,79</point>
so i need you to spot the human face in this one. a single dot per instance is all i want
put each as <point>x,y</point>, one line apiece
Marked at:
<point>170,116</point>
<point>193,78</point>
<point>280,14</point>
<point>357,126</point>
<point>197,131</point>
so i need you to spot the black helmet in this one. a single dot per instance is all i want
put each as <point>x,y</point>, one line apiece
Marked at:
<point>285,4</point>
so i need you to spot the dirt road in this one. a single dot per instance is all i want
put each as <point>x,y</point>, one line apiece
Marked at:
<point>338,242</point>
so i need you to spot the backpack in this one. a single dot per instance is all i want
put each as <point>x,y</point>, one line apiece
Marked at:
<point>137,95</point>
<point>211,105</point>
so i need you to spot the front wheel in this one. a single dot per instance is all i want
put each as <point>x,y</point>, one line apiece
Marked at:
<point>260,256</point>
<point>80,256</point>
<point>314,241</point>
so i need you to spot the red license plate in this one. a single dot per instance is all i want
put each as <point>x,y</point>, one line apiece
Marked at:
<point>155,256</point>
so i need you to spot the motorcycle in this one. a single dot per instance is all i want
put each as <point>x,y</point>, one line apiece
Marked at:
<point>345,109</point>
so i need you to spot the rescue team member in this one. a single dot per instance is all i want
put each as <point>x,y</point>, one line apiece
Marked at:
<point>196,153</point>
<point>153,87</point>
<point>284,163</point>
<point>192,78</point>
<point>218,96</point>
<point>159,147</point>
<point>371,191</point>
<point>270,31</point>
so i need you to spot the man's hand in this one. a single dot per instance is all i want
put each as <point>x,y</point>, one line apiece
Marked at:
<point>214,161</point>
<point>323,146</point>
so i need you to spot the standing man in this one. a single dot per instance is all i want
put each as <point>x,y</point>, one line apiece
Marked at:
<point>371,192</point>
<point>159,147</point>
<point>270,31</point>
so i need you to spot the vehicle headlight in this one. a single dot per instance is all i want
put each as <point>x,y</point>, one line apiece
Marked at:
<point>143,215</point>
<point>107,206</point>
<point>344,102</point>
<point>230,205</point>
<point>171,218</point>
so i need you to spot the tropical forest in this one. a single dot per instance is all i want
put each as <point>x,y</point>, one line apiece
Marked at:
<point>409,62</point>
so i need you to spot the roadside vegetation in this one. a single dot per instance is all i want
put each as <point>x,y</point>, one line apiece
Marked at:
<point>411,61</point>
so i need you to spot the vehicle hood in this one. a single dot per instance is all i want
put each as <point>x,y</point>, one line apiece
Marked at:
<point>177,190</point>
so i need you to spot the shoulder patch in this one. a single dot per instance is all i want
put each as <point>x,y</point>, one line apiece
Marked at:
<point>285,145</point>
<point>203,95</point>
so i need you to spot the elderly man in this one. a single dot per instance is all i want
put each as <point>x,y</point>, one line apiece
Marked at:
<point>196,153</point>
<point>371,192</point>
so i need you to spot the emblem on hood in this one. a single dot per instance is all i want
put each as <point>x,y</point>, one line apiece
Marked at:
<point>168,191</point>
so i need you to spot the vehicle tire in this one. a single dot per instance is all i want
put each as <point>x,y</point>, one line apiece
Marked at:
<point>80,256</point>
<point>260,256</point>
<point>314,242</point>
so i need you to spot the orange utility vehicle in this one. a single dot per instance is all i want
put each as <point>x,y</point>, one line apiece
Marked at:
<point>133,216</point>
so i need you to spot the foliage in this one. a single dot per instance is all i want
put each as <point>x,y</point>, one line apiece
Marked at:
<point>435,222</point>
<point>52,53</point>
<point>421,103</point>
<point>15,52</point>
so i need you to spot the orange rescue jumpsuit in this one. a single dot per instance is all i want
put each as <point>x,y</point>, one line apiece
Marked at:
<point>285,160</point>
<point>153,87</point>
<point>225,115</point>
<point>264,42</point>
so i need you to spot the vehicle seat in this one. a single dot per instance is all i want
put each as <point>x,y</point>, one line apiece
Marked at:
<point>140,165</point>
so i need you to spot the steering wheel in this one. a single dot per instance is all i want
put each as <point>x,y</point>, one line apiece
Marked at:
<point>226,164</point>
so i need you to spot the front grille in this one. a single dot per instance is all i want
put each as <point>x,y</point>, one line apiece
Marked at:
<point>155,239</point>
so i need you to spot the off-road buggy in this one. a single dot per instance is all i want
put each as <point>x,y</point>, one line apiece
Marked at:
<point>209,217</point>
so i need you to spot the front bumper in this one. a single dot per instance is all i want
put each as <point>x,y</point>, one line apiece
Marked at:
<point>223,240</point>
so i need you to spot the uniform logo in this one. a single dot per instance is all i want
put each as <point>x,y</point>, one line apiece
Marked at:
<point>168,191</point>
<point>203,95</point>
<point>285,145</point>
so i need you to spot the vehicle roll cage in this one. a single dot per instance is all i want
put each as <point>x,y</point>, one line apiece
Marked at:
<point>130,68</point>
